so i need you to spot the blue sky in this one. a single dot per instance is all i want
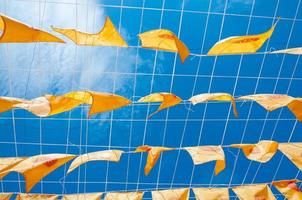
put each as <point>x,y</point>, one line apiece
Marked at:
<point>31,70</point>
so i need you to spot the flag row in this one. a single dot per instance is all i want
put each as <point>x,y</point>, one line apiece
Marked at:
<point>288,188</point>
<point>48,105</point>
<point>14,31</point>
<point>35,168</point>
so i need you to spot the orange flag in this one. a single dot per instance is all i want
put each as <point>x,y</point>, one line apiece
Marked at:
<point>5,196</point>
<point>17,32</point>
<point>254,192</point>
<point>167,99</point>
<point>211,193</point>
<point>153,155</point>
<point>292,151</point>
<point>108,36</point>
<point>124,195</point>
<point>204,154</point>
<point>7,163</point>
<point>289,189</point>
<point>162,39</point>
<point>176,194</point>
<point>7,103</point>
<point>262,152</point>
<point>86,196</point>
<point>36,197</point>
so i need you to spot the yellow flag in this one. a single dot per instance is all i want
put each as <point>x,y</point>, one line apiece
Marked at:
<point>262,152</point>
<point>5,196</point>
<point>108,155</point>
<point>254,192</point>
<point>167,99</point>
<point>241,44</point>
<point>153,155</point>
<point>295,106</point>
<point>289,189</point>
<point>211,193</point>
<point>7,103</point>
<point>214,97</point>
<point>7,163</point>
<point>86,196</point>
<point>176,194</point>
<point>297,51</point>
<point>36,197</point>
<point>37,167</point>
<point>162,39</point>
<point>108,36</point>
<point>17,32</point>
<point>124,195</point>
<point>292,151</point>
<point>204,154</point>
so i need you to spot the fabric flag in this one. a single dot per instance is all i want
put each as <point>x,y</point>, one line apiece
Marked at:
<point>167,99</point>
<point>37,167</point>
<point>204,154</point>
<point>153,155</point>
<point>289,189</point>
<point>17,32</point>
<point>36,197</point>
<point>108,36</point>
<point>254,192</point>
<point>7,163</point>
<point>292,151</point>
<point>108,155</point>
<point>241,44</point>
<point>86,196</point>
<point>7,103</point>
<point>297,51</point>
<point>165,40</point>
<point>262,152</point>
<point>201,98</point>
<point>124,195</point>
<point>211,193</point>
<point>5,196</point>
<point>176,194</point>
<point>295,106</point>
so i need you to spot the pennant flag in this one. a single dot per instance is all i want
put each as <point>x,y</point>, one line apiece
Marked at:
<point>108,36</point>
<point>201,98</point>
<point>252,192</point>
<point>167,99</point>
<point>153,155</point>
<point>289,189</point>
<point>86,196</point>
<point>7,103</point>
<point>241,44</point>
<point>36,197</point>
<point>295,106</point>
<point>211,193</point>
<point>296,51</point>
<point>6,164</point>
<point>5,196</point>
<point>165,40</point>
<point>17,32</point>
<point>204,154</point>
<point>37,167</point>
<point>124,195</point>
<point>292,151</point>
<point>108,155</point>
<point>262,152</point>
<point>176,194</point>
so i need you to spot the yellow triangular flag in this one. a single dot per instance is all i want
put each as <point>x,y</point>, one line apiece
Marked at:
<point>253,192</point>
<point>211,193</point>
<point>292,151</point>
<point>289,189</point>
<point>86,196</point>
<point>176,194</point>
<point>124,196</point>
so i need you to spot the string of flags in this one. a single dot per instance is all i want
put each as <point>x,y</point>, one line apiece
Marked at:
<point>288,188</point>
<point>35,168</point>
<point>14,31</point>
<point>49,105</point>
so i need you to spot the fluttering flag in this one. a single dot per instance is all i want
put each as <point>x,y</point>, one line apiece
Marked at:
<point>108,36</point>
<point>7,103</point>
<point>296,51</point>
<point>166,40</point>
<point>107,155</point>
<point>252,192</point>
<point>241,44</point>
<point>262,152</point>
<point>201,98</point>
<point>274,101</point>
<point>167,99</point>
<point>289,189</point>
<point>153,155</point>
<point>14,31</point>
<point>37,167</point>
<point>36,197</point>
<point>204,154</point>
<point>293,151</point>
<point>7,163</point>
<point>124,195</point>
<point>6,196</point>
<point>211,193</point>
<point>86,196</point>
<point>176,194</point>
